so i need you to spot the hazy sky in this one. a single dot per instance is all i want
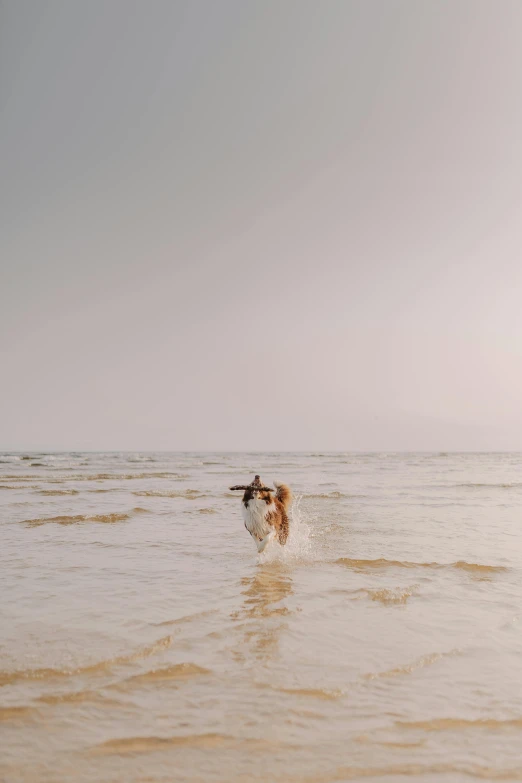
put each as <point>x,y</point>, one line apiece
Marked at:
<point>261,224</point>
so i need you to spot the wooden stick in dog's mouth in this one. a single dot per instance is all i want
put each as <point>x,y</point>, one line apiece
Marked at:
<point>256,484</point>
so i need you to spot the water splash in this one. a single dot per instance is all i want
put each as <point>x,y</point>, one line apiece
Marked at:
<point>299,543</point>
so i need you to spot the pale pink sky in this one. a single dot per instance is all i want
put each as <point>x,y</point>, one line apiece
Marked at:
<point>261,225</point>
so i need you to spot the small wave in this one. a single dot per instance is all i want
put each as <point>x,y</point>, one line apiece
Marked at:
<point>312,693</point>
<point>9,677</point>
<point>187,618</point>
<point>209,741</point>
<point>78,697</point>
<point>58,492</point>
<point>333,495</point>
<point>189,494</point>
<point>22,480</point>
<point>207,511</point>
<point>140,510</point>
<point>408,668</point>
<point>391,744</point>
<point>109,489</point>
<point>23,477</point>
<point>387,596</point>
<point>444,724</point>
<point>415,771</point>
<point>96,476</point>
<point>73,520</point>
<point>471,485</point>
<point>179,671</point>
<point>362,565</point>
<point>16,713</point>
<point>477,567</point>
<point>131,476</point>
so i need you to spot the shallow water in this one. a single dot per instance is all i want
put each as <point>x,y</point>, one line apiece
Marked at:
<point>143,639</point>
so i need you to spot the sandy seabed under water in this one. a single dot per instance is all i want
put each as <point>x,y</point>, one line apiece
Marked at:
<point>143,639</point>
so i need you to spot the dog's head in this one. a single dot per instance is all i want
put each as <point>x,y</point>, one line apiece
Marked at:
<point>255,490</point>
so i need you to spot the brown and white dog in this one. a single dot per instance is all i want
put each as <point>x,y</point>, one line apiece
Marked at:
<point>265,513</point>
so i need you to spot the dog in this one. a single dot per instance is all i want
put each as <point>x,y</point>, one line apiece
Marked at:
<point>264,512</point>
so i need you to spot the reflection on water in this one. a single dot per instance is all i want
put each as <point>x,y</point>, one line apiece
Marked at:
<point>263,607</point>
<point>269,586</point>
<point>151,643</point>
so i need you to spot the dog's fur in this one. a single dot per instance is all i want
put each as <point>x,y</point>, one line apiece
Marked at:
<point>264,513</point>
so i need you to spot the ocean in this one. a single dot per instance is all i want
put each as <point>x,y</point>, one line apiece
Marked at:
<point>142,638</point>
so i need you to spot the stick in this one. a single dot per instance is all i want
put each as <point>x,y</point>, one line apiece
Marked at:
<point>250,486</point>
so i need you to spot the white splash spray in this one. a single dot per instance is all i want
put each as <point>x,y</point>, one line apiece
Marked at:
<point>299,543</point>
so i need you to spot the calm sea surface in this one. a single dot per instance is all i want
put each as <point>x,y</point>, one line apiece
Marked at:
<point>143,639</point>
